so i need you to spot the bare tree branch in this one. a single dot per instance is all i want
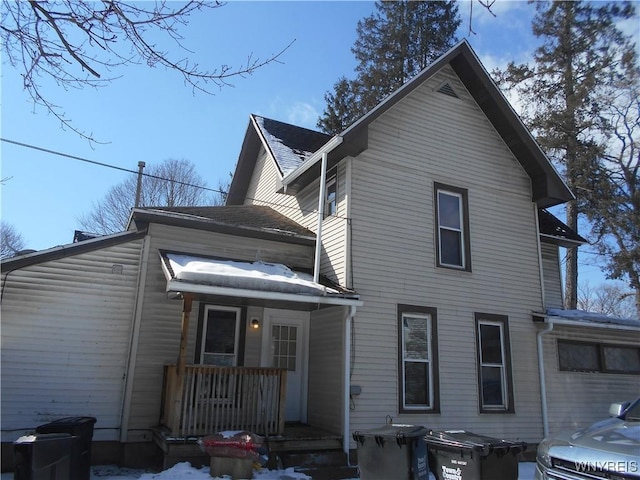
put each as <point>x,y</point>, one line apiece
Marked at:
<point>75,42</point>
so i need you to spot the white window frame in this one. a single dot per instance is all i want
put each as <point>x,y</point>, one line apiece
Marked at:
<point>331,207</point>
<point>502,366</point>
<point>460,231</point>
<point>429,361</point>
<point>205,327</point>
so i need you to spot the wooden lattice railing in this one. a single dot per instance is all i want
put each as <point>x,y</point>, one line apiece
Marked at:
<point>211,399</point>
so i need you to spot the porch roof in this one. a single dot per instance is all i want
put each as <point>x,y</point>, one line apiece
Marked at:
<point>200,275</point>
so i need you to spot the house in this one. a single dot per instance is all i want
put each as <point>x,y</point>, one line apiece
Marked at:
<point>405,270</point>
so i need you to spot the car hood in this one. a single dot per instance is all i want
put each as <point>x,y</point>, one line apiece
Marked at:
<point>609,440</point>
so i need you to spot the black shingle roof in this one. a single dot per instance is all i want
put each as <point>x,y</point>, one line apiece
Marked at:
<point>253,217</point>
<point>553,227</point>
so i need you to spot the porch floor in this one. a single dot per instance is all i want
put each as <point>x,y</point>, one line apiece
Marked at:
<point>300,444</point>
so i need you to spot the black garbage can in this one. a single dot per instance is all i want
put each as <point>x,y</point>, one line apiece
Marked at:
<point>462,455</point>
<point>392,451</point>
<point>81,428</point>
<point>42,457</point>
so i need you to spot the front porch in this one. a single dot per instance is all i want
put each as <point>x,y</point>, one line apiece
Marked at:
<point>201,400</point>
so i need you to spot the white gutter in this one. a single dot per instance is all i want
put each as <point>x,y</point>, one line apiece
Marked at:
<point>133,345</point>
<point>347,381</point>
<point>543,384</point>
<point>177,286</point>
<point>311,161</point>
<point>587,324</point>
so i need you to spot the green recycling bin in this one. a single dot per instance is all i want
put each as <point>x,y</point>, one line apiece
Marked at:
<point>392,452</point>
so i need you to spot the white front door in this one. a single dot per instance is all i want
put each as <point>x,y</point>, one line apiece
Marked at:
<point>284,345</point>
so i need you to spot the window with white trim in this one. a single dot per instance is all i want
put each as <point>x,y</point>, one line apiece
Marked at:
<point>418,359</point>
<point>495,386</point>
<point>331,196</point>
<point>452,227</point>
<point>220,336</point>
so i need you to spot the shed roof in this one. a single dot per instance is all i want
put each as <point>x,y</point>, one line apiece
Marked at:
<point>257,221</point>
<point>548,187</point>
<point>554,231</point>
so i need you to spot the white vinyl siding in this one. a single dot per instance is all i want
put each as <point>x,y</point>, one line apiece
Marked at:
<point>303,208</point>
<point>601,389</point>
<point>425,138</point>
<point>161,318</point>
<point>66,332</point>
<point>551,275</point>
<point>326,360</point>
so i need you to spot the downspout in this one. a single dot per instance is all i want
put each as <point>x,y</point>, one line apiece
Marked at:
<point>321,196</point>
<point>329,147</point>
<point>347,381</point>
<point>135,336</point>
<point>543,384</point>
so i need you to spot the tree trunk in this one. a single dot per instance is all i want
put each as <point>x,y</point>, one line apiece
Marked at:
<point>571,267</point>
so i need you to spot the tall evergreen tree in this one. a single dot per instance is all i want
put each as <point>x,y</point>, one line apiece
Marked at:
<point>582,56</point>
<point>393,45</point>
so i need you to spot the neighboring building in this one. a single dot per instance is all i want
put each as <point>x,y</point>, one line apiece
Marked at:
<point>406,269</point>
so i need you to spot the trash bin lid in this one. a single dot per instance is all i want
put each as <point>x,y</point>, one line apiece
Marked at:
<point>393,430</point>
<point>399,433</point>
<point>471,441</point>
<point>42,437</point>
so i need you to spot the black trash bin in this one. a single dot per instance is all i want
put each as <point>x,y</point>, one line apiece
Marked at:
<point>393,451</point>
<point>42,457</point>
<point>81,428</point>
<point>462,455</point>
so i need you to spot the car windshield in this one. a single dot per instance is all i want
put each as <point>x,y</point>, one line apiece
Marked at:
<point>633,414</point>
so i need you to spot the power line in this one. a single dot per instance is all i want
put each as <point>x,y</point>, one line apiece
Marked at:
<point>101,164</point>
<point>122,169</point>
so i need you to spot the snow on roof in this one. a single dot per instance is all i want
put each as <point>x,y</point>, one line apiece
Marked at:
<point>591,317</point>
<point>244,275</point>
<point>288,158</point>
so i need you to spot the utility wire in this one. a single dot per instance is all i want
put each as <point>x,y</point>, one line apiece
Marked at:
<point>122,169</point>
<point>136,172</point>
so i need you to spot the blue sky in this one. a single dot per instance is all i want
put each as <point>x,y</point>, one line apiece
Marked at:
<point>149,114</point>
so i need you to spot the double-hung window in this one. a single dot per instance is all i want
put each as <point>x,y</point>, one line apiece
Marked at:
<point>418,365</point>
<point>494,363</point>
<point>452,227</point>
<point>331,196</point>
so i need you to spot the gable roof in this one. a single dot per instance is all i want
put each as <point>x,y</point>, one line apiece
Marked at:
<point>548,187</point>
<point>256,221</point>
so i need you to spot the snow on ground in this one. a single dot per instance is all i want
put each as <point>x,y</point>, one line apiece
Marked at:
<point>184,471</point>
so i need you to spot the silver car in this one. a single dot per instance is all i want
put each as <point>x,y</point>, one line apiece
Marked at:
<point>609,449</point>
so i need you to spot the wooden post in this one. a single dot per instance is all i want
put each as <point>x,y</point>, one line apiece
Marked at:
<point>180,367</point>
<point>184,335</point>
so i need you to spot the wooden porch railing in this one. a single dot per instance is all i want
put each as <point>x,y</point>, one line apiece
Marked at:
<point>213,399</point>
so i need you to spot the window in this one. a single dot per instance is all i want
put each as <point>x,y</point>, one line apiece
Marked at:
<point>330,196</point>
<point>452,227</point>
<point>574,356</point>
<point>418,365</point>
<point>220,336</point>
<point>494,364</point>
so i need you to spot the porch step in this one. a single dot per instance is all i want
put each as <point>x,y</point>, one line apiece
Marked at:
<point>330,473</point>
<point>326,458</point>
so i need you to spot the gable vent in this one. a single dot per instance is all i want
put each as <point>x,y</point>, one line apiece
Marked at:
<point>447,90</point>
